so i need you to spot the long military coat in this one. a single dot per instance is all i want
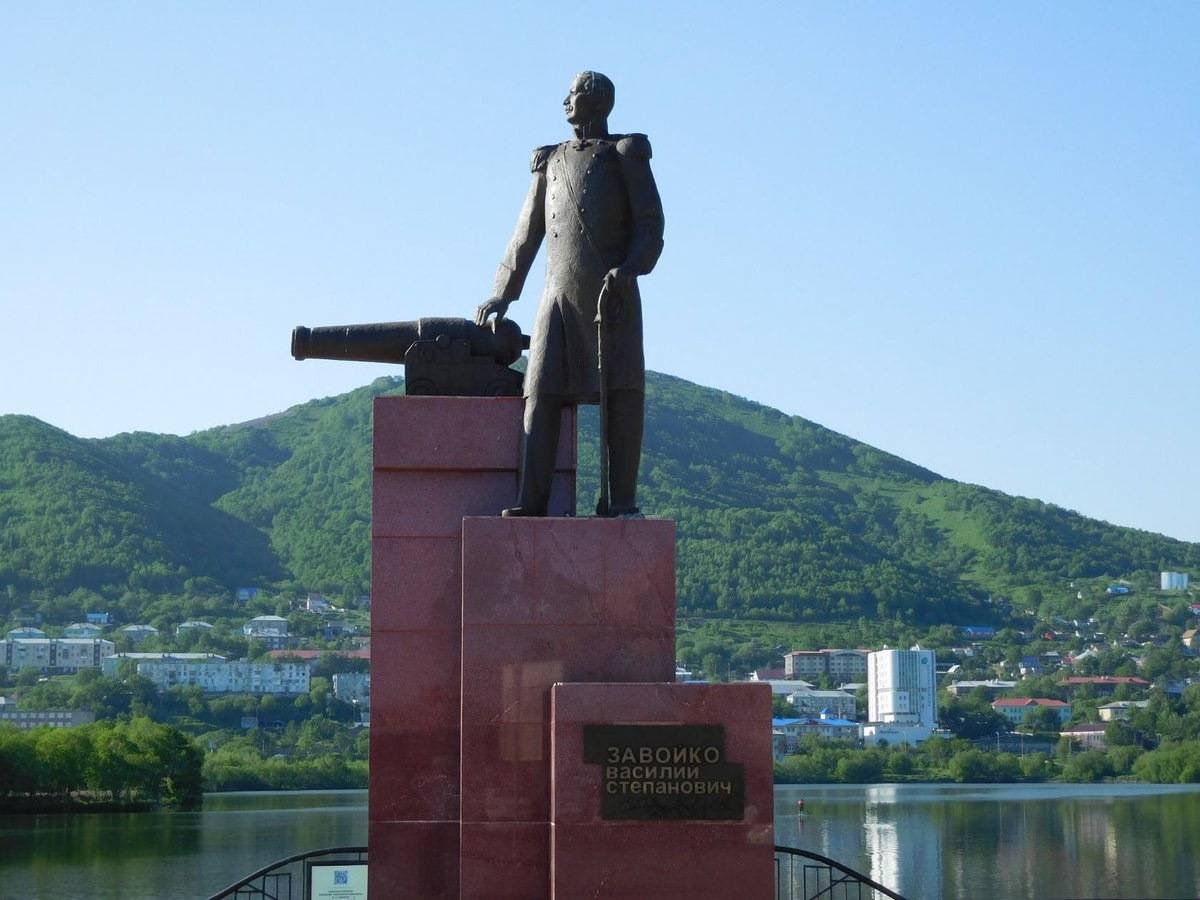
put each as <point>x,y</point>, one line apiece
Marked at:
<point>597,206</point>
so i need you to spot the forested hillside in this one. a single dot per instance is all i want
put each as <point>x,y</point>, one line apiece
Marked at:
<point>778,517</point>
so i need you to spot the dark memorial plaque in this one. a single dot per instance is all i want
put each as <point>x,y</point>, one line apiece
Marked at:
<point>665,772</point>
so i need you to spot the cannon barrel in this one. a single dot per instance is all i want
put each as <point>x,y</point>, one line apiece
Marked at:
<point>500,340</point>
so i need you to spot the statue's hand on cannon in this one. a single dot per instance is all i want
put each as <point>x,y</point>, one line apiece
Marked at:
<point>495,305</point>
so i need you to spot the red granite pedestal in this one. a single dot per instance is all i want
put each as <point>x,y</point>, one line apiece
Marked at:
<point>546,601</point>
<point>600,858</point>
<point>437,459</point>
<point>479,787</point>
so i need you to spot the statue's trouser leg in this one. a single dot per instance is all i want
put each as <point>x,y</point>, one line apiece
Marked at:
<point>543,415</point>
<point>626,421</point>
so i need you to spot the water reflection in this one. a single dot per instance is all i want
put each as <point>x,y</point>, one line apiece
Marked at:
<point>1004,840</point>
<point>171,854</point>
<point>927,841</point>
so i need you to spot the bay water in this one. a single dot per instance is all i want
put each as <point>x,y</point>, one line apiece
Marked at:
<point>924,840</point>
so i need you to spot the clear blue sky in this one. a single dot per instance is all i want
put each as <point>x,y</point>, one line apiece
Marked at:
<point>967,234</point>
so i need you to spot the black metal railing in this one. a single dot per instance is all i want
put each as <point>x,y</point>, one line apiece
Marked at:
<point>286,879</point>
<point>803,875</point>
<point>799,875</point>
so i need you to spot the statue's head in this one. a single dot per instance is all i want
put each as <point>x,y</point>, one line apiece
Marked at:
<point>590,98</point>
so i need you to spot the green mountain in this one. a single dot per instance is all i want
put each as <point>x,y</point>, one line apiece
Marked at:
<point>778,517</point>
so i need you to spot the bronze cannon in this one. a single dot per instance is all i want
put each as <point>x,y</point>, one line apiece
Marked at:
<point>441,357</point>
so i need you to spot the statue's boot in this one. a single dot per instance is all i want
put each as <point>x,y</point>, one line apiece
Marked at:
<point>626,422</point>
<point>543,415</point>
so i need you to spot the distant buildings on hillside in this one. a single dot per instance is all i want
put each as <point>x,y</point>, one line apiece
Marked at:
<point>1104,684</point>
<point>192,626</point>
<point>83,630</point>
<point>272,630</point>
<point>840,665</point>
<point>54,656</point>
<point>786,733</point>
<point>1173,581</point>
<point>1120,710</point>
<point>1017,709</point>
<point>353,687</point>
<point>28,719</point>
<point>215,675</point>
<point>1089,735</point>
<point>138,633</point>
<point>809,702</point>
<point>991,688</point>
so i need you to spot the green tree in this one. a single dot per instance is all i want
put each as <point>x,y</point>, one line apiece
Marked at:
<point>863,767</point>
<point>65,757</point>
<point>1042,719</point>
<point>1090,765</point>
<point>970,718</point>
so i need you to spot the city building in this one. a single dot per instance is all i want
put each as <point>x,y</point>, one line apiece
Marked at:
<point>831,727</point>
<point>837,664</point>
<point>1191,639</point>
<point>1089,735</point>
<point>110,665</point>
<point>812,703</point>
<point>992,688</point>
<point>312,657</point>
<point>901,696</point>
<point>98,618</point>
<point>785,736</point>
<point>1030,665</point>
<point>804,664</point>
<point>782,687</point>
<point>333,630</point>
<point>193,625</point>
<point>246,593</point>
<point>28,719</point>
<point>353,687</point>
<point>55,656</point>
<point>846,665</point>
<point>261,626</point>
<point>138,633</point>
<point>1120,710</point>
<point>979,631</point>
<point>82,630</point>
<point>316,603</point>
<point>215,676</point>
<point>1017,709</point>
<point>1104,684</point>
<point>1173,581</point>
<point>273,630</point>
<point>876,734</point>
<point>26,632</point>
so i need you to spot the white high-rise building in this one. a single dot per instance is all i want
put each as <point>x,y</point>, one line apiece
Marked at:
<point>1173,581</point>
<point>901,696</point>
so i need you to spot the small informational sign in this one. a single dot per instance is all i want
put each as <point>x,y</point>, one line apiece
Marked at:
<point>337,881</point>
<point>665,772</point>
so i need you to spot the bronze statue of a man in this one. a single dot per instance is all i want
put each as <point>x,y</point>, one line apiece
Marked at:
<point>595,202</point>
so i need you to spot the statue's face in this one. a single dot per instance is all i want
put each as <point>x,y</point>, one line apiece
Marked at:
<point>580,105</point>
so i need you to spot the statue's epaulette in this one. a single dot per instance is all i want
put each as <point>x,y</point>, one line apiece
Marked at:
<point>540,157</point>
<point>635,145</point>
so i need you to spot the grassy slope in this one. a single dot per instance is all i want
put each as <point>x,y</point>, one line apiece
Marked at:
<point>778,517</point>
